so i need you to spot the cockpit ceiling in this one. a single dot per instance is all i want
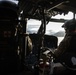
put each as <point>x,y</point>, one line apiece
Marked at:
<point>33,8</point>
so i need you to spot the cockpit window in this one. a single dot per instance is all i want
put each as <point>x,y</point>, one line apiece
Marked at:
<point>52,28</point>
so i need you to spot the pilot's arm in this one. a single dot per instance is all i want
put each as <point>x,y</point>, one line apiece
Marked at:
<point>64,44</point>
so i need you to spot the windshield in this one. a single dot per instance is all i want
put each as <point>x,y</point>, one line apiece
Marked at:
<point>52,28</point>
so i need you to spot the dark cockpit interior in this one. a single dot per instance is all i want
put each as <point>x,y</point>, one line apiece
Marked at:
<point>20,53</point>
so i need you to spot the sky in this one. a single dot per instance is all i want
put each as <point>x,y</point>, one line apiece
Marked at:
<point>33,25</point>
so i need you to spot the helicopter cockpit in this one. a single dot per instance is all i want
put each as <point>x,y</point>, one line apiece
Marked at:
<point>20,50</point>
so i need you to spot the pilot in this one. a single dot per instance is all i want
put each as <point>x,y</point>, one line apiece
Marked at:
<point>67,44</point>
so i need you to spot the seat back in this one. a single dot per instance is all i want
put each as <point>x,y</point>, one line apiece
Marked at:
<point>8,43</point>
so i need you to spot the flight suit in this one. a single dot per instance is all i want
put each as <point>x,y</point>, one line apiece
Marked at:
<point>62,46</point>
